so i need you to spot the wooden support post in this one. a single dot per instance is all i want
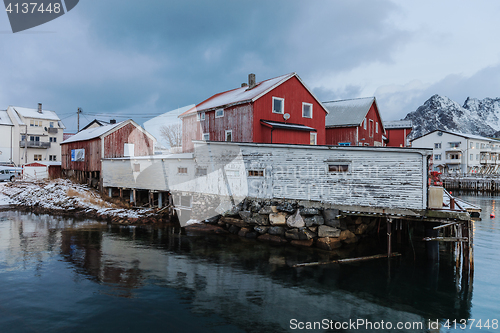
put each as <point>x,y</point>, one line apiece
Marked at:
<point>150,194</point>
<point>160,200</point>
<point>134,197</point>
<point>110,192</point>
<point>389,237</point>
<point>121,193</point>
<point>131,197</point>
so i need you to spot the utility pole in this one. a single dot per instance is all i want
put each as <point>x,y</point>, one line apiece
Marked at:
<point>78,113</point>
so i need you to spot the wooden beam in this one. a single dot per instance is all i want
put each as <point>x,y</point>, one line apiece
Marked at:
<point>346,261</point>
<point>446,239</point>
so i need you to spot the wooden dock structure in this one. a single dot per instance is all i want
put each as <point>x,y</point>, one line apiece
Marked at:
<point>467,183</point>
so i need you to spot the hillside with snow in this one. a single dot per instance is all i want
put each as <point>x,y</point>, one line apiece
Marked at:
<point>481,117</point>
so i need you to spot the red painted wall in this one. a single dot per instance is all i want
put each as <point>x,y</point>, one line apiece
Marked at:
<point>365,136</point>
<point>397,137</point>
<point>114,142</point>
<point>294,94</point>
<point>92,155</point>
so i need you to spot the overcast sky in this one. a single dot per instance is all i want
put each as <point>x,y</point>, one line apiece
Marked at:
<point>138,59</point>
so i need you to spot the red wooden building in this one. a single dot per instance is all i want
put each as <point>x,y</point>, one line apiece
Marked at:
<point>82,153</point>
<point>397,133</point>
<point>354,122</point>
<point>278,110</point>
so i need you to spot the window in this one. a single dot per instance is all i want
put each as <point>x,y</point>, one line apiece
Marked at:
<point>182,170</point>
<point>471,157</point>
<point>219,113</point>
<point>37,157</point>
<point>313,138</point>
<point>200,116</point>
<point>477,157</point>
<point>477,145</point>
<point>36,123</point>
<point>307,110</point>
<point>201,171</point>
<point>471,145</point>
<point>482,145</point>
<point>53,139</point>
<point>229,135</point>
<point>376,127</point>
<point>454,144</point>
<point>256,173</point>
<point>364,124</point>
<point>454,156</point>
<point>206,136</point>
<point>437,157</point>
<point>437,145</point>
<point>338,167</point>
<point>35,138</point>
<point>51,124</point>
<point>23,137</point>
<point>370,130</point>
<point>344,143</point>
<point>128,149</point>
<point>278,105</point>
<point>53,158</point>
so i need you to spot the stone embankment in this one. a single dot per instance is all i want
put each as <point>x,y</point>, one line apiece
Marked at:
<point>284,222</point>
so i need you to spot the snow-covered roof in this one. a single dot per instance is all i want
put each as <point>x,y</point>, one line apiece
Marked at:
<point>33,113</point>
<point>4,118</point>
<point>463,135</point>
<point>398,124</point>
<point>349,112</point>
<point>91,133</point>
<point>242,95</point>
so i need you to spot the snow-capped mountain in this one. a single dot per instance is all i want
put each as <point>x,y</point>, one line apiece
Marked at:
<point>480,117</point>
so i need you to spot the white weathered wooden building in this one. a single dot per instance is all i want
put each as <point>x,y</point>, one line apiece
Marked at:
<point>370,179</point>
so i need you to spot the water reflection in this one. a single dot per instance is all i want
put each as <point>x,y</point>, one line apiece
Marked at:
<point>247,285</point>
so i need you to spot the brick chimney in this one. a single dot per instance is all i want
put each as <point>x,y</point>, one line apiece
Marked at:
<point>251,81</point>
<point>39,107</point>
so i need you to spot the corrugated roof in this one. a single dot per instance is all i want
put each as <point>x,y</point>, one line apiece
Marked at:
<point>4,118</point>
<point>398,124</point>
<point>91,133</point>
<point>33,113</point>
<point>463,135</point>
<point>349,112</point>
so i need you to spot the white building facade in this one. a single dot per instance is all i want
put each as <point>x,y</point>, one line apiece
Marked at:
<point>36,135</point>
<point>459,153</point>
<point>6,138</point>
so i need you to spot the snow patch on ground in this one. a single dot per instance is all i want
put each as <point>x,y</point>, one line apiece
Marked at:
<point>62,194</point>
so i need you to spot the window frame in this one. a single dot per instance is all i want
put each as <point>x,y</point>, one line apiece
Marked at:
<point>200,116</point>
<point>282,100</point>
<point>315,135</point>
<point>304,104</point>
<point>207,135</point>
<point>219,116</point>
<point>226,132</point>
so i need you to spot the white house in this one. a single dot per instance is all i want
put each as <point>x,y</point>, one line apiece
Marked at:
<point>459,153</point>
<point>6,138</point>
<point>36,135</point>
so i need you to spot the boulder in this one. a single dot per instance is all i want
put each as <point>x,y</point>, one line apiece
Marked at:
<point>268,210</point>
<point>348,237</point>
<point>361,229</point>
<point>237,222</point>
<point>285,207</point>
<point>314,220</point>
<point>309,211</point>
<point>307,234</point>
<point>261,229</point>
<point>252,235</point>
<point>292,234</point>
<point>234,229</point>
<point>326,231</point>
<point>276,231</point>
<point>277,218</point>
<point>305,243</point>
<point>328,243</point>
<point>243,232</point>
<point>295,221</point>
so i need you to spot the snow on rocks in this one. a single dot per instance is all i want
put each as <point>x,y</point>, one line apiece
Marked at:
<point>64,196</point>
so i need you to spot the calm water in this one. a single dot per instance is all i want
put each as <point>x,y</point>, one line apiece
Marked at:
<point>63,275</point>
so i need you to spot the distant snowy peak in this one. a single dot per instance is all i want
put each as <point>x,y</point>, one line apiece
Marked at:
<point>481,117</point>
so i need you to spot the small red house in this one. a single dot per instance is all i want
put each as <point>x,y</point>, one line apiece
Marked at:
<point>397,132</point>
<point>82,153</point>
<point>354,122</point>
<point>278,110</point>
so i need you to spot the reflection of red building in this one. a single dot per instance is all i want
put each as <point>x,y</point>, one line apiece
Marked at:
<point>354,122</point>
<point>278,110</point>
<point>397,133</point>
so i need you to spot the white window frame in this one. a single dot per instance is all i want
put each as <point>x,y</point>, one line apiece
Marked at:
<point>206,136</point>
<point>364,124</point>
<point>311,110</point>
<point>315,135</point>
<point>226,133</point>
<point>437,157</point>
<point>220,115</point>
<point>282,105</point>
<point>437,145</point>
<point>200,116</point>
<point>376,127</point>
<point>183,168</point>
